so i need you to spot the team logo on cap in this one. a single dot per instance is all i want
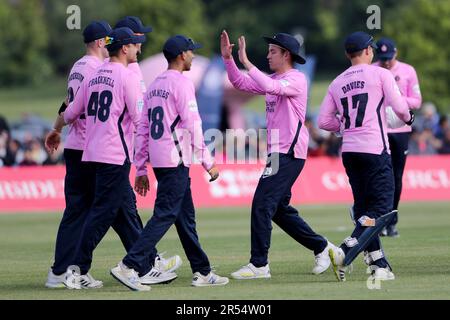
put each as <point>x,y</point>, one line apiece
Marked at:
<point>384,48</point>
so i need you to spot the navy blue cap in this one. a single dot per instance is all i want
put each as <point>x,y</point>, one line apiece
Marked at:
<point>96,30</point>
<point>289,43</point>
<point>386,49</point>
<point>358,41</point>
<point>177,44</point>
<point>122,36</point>
<point>134,23</point>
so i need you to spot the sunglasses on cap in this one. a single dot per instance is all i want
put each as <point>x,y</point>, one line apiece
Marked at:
<point>109,40</point>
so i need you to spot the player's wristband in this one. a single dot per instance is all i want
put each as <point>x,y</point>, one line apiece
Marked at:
<point>62,108</point>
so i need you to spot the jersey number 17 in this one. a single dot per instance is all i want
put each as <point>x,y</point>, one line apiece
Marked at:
<point>359,101</point>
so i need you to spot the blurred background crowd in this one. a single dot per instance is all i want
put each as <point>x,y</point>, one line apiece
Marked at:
<point>430,135</point>
<point>22,142</point>
<point>37,51</point>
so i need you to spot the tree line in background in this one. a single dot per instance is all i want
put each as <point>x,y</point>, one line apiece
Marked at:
<point>36,43</point>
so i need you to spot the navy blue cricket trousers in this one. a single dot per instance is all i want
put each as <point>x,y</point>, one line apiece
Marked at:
<point>271,202</point>
<point>113,195</point>
<point>372,183</point>
<point>79,189</point>
<point>79,194</point>
<point>173,204</point>
<point>398,144</point>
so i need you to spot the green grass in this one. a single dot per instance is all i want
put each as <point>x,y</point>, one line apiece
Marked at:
<point>43,100</point>
<point>420,258</point>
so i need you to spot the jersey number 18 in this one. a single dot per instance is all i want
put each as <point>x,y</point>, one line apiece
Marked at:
<point>155,119</point>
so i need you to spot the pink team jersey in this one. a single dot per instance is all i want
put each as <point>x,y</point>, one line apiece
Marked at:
<point>286,101</point>
<point>407,81</point>
<point>356,100</point>
<point>81,70</point>
<point>137,71</point>
<point>112,101</point>
<point>170,130</point>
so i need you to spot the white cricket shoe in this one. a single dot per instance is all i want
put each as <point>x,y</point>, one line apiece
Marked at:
<point>54,281</point>
<point>73,280</point>
<point>383,274</point>
<point>322,260</point>
<point>212,279</point>
<point>155,276</point>
<point>87,281</point>
<point>167,265</point>
<point>128,277</point>
<point>337,256</point>
<point>251,272</point>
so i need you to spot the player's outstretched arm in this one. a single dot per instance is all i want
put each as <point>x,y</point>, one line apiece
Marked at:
<point>243,54</point>
<point>286,87</point>
<point>240,80</point>
<point>226,48</point>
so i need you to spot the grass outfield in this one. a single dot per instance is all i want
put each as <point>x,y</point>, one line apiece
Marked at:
<point>43,100</point>
<point>420,258</point>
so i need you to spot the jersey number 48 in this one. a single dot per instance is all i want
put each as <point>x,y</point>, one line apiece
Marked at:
<point>99,105</point>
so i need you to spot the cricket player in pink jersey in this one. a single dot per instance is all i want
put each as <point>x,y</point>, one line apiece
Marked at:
<point>78,186</point>
<point>287,141</point>
<point>407,81</point>
<point>80,177</point>
<point>164,268</point>
<point>354,106</point>
<point>112,102</point>
<point>169,135</point>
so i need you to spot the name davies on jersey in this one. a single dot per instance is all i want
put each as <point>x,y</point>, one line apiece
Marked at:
<point>353,85</point>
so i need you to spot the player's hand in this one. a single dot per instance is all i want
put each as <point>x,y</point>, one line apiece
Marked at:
<point>52,141</point>
<point>411,120</point>
<point>214,173</point>
<point>225,47</point>
<point>242,51</point>
<point>141,185</point>
<point>341,126</point>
